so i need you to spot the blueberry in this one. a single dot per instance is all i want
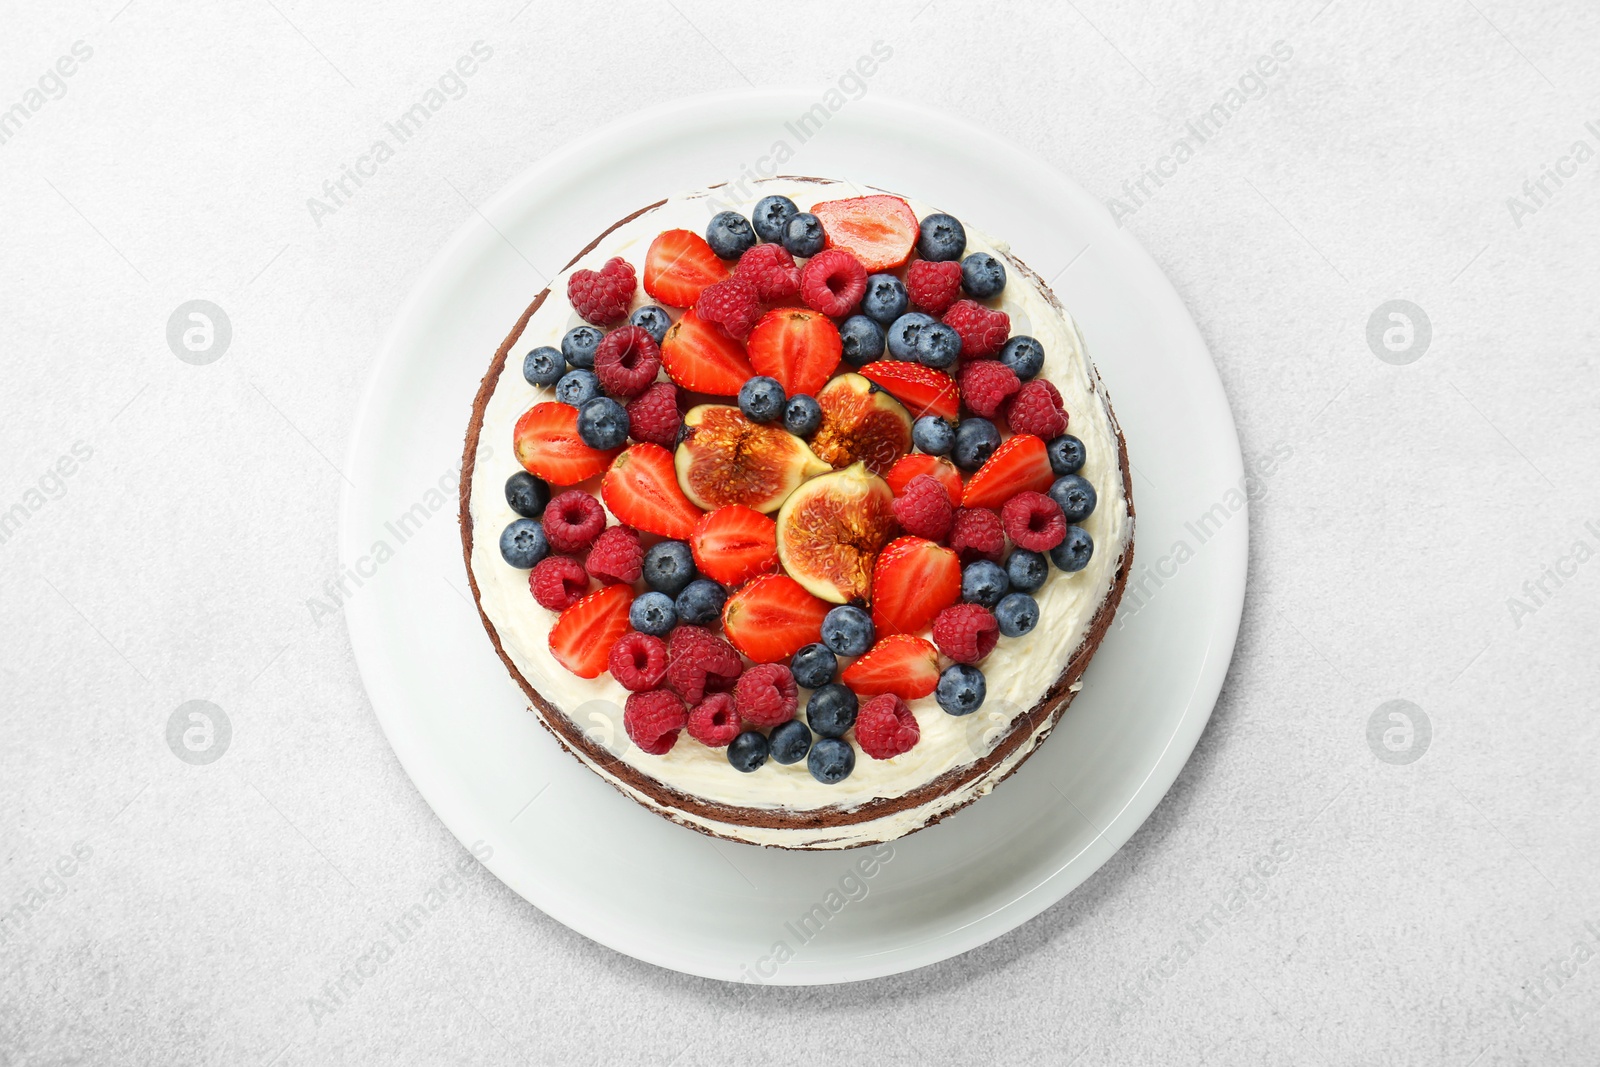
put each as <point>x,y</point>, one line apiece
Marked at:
<point>603,423</point>
<point>984,582</point>
<point>802,234</point>
<point>813,666</point>
<point>653,614</point>
<point>748,751</point>
<point>527,495</point>
<point>1073,553</point>
<point>885,299</point>
<point>982,276</point>
<point>1075,495</point>
<point>802,415</point>
<point>577,387</point>
<point>772,213</point>
<point>961,689</point>
<point>1027,570</point>
<point>831,760</point>
<point>902,335</point>
<point>862,340</point>
<point>832,710</point>
<point>522,544</point>
<point>790,742</point>
<point>761,399</point>
<point>669,566</point>
<point>847,630</point>
<point>938,346</point>
<point>976,440</point>
<point>1024,355</point>
<point>579,344</point>
<point>1066,454</point>
<point>700,603</point>
<point>1017,614</point>
<point>653,319</point>
<point>933,435</point>
<point>730,235</point>
<point>543,366</point>
<point>941,237</point>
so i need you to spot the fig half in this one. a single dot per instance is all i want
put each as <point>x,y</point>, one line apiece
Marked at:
<point>724,458</point>
<point>862,423</point>
<point>831,529</point>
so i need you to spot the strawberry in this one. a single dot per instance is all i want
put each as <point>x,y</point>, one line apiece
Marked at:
<point>582,637</point>
<point>734,543</point>
<point>701,357</point>
<point>547,443</point>
<point>679,265</point>
<point>878,230</point>
<point>1018,465</point>
<point>641,489</point>
<point>798,347</point>
<point>900,664</point>
<point>923,390</point>
<point>912,581</point>
<point>908,467</point>
<point>772,618</point>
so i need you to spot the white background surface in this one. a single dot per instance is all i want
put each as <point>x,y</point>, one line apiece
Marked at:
<point>1429,911</point>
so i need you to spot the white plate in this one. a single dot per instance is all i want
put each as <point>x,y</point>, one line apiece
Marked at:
<point>600,863</point>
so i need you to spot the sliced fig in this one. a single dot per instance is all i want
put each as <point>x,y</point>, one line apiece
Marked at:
<point>861,423</point>
<point>725,458</point>
<point>831,529</point>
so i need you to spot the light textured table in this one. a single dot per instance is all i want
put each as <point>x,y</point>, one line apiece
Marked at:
<point>1324,883</point>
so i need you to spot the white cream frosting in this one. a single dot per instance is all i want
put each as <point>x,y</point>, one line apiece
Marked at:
<point>1018,672</point>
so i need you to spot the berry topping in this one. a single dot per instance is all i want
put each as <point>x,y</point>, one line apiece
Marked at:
<point>903,332</point>
<point>1037,409</point>
<point>802,415</point>
<point>652,319</point>
<point>653,720</point>
<point>1033,521</point>
<point>700,603</point>
<point>1024,355</point>
<point>523,543</point>
<point>582,637</point>
<point>937,346</point>
<point>734,544</point>
<point>1066,454</point>
<point>831,710</point>
<point>1027,570</point>
<point>642,490</point>
<point>933,435</point>
<point>886,728</point>
<point>986,385</point>
<point>772,213</point>
<point>714,722</point>
<point>603,423</point>
<point>983,330</point>
<point>699,356</point>
<point>766,695</point>
<point>573,520</point>
<point>799,348</point>
<point>983,582</point>
<point>543,366</point>
<point>653,613</point>
<point>976,440</point>
<point>861,340</point>
<point>923,390</point>
<point>982,276</point>
<point>668,567</point>
<point>730,234</point>
<point>638,661</point>
<point>831,760</point>
<point>771,269</point>
<point>577,387</point>
<point>748,751</point>
<point>913,581</point>
<point>678,266</point>
<point>558,582</point>
<point>527,495</point>
<point>1019,465</point>
<point>814,666</point>
<point>833,282</point>
<point>579,343</point>
<point>700,662</point>
<point>730,304</point>
<point>978,534</point>
<point>627,361</point>
<point>941,238</point>
<point>878,230</point>
<point>924,508</point>
<point>901,664</point>
<point>966,632</point>
<point>802,234</point>
<point>1074,551</point>
<point>885,298</point>
<point>653,415</point>
<point>602,296</point>
<point>961,689</point>
<point>941,470</point>
<point>547,444</point>
<point>761,399</point>
<point>616,558</point>
<point>773,617</point>
<point>1075,494</point>
<point>1017,614</point>
<point>847,631</point>
<point>789,742</point>
<point>933,286</point>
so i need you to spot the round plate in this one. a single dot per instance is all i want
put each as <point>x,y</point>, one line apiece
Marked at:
<point>598,862</point>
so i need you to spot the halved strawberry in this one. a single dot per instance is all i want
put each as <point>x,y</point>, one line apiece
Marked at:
<point>547,443</point>
<point>582,637</point>
<point>901,664</point>
<point>679,265</point>
<point>797,346</point>
<point>734,543</point>
<point>642,490</point>
<point>923,390</point>
<point>701,357</point>
<point>912,581</point>
<point>878,230</point>
<point>908,467</point>
<point>1019,464</point>
<point>772,618</point>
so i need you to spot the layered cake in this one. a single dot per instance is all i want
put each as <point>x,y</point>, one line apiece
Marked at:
<point>804,514</point>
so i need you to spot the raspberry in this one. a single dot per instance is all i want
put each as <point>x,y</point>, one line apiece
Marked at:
<point>924,509</point>
<point>638,661</point>
<point>573,520</point>
<point>766,694</point>
<point>1034,521</point>
<point>934,286</point>
<point>985,385</point>
<point>602,296</point>
<point>978,533</point>
<point>1037,409</point>
<point>964,632</point>
<point>714,722</point>
<point>558,582</point>
<point>731,304</point>
<point>653,415</point>
<point>616,557</point>
<point>770,268</point>
<point>653,720</point>
<point>698,662</point>
<point>885,727</point>
<point>833,282</point>
<point>627,361</point>
<point>983,330</point>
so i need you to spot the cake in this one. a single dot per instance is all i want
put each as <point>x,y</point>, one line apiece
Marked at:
<point>796,515</point>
